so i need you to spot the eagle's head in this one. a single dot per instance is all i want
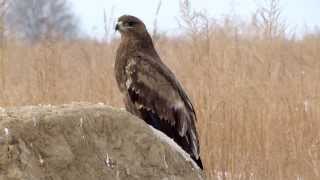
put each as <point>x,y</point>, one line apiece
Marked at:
<point>128,24</point>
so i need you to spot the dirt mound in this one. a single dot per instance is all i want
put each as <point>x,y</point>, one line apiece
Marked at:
<point>84,141</point>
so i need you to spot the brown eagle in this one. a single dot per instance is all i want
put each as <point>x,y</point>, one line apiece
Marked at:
<point>151,91</point>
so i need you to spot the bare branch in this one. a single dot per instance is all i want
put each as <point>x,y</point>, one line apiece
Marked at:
<point>269,19</point>
<point>108,23</point>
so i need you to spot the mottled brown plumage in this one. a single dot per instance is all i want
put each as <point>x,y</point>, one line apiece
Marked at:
<point>151,91</point>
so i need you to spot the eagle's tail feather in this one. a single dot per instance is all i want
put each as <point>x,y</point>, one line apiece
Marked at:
<point>198,161</point>
<point>184,142</point>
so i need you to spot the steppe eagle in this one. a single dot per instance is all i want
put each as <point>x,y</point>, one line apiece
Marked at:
<point>151,91</point>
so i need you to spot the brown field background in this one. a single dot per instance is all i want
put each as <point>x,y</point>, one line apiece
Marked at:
<point>257,97</point>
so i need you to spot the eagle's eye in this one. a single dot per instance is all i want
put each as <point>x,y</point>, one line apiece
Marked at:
<point>131,23</point>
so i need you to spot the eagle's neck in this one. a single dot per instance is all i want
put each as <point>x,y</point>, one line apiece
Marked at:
<point>138,43</point>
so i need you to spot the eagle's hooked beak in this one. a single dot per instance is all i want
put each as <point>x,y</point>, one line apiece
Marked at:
<point>119,25</point>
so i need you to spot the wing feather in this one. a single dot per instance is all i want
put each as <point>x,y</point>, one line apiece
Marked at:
<point>149,88</point>
<point>152,86</point>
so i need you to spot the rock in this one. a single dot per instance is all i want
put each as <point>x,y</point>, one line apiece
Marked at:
<point>86,142</point>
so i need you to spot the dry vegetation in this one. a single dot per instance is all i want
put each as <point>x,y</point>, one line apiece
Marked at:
<point>257,95</point>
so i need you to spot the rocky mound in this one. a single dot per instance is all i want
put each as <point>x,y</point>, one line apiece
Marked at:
<point>86,142</point>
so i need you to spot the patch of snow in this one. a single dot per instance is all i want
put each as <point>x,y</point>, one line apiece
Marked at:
<point>41,160</point>
<point>101,104</point>
<point>2,110</point>
<point>81,122</point>
<point>34,121</point>
<point>6,131</point>
<point>223,175</point>
<point>299,178</point>
<point>46,105</point>
<point>107,161</point>
<point>306,105</point>
<point>165,162</point>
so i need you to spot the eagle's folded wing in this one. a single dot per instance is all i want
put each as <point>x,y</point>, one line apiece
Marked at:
<point>151,87</point>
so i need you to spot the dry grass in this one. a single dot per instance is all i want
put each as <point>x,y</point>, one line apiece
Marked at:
<point>258,104</point>
<point>257,100</point>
